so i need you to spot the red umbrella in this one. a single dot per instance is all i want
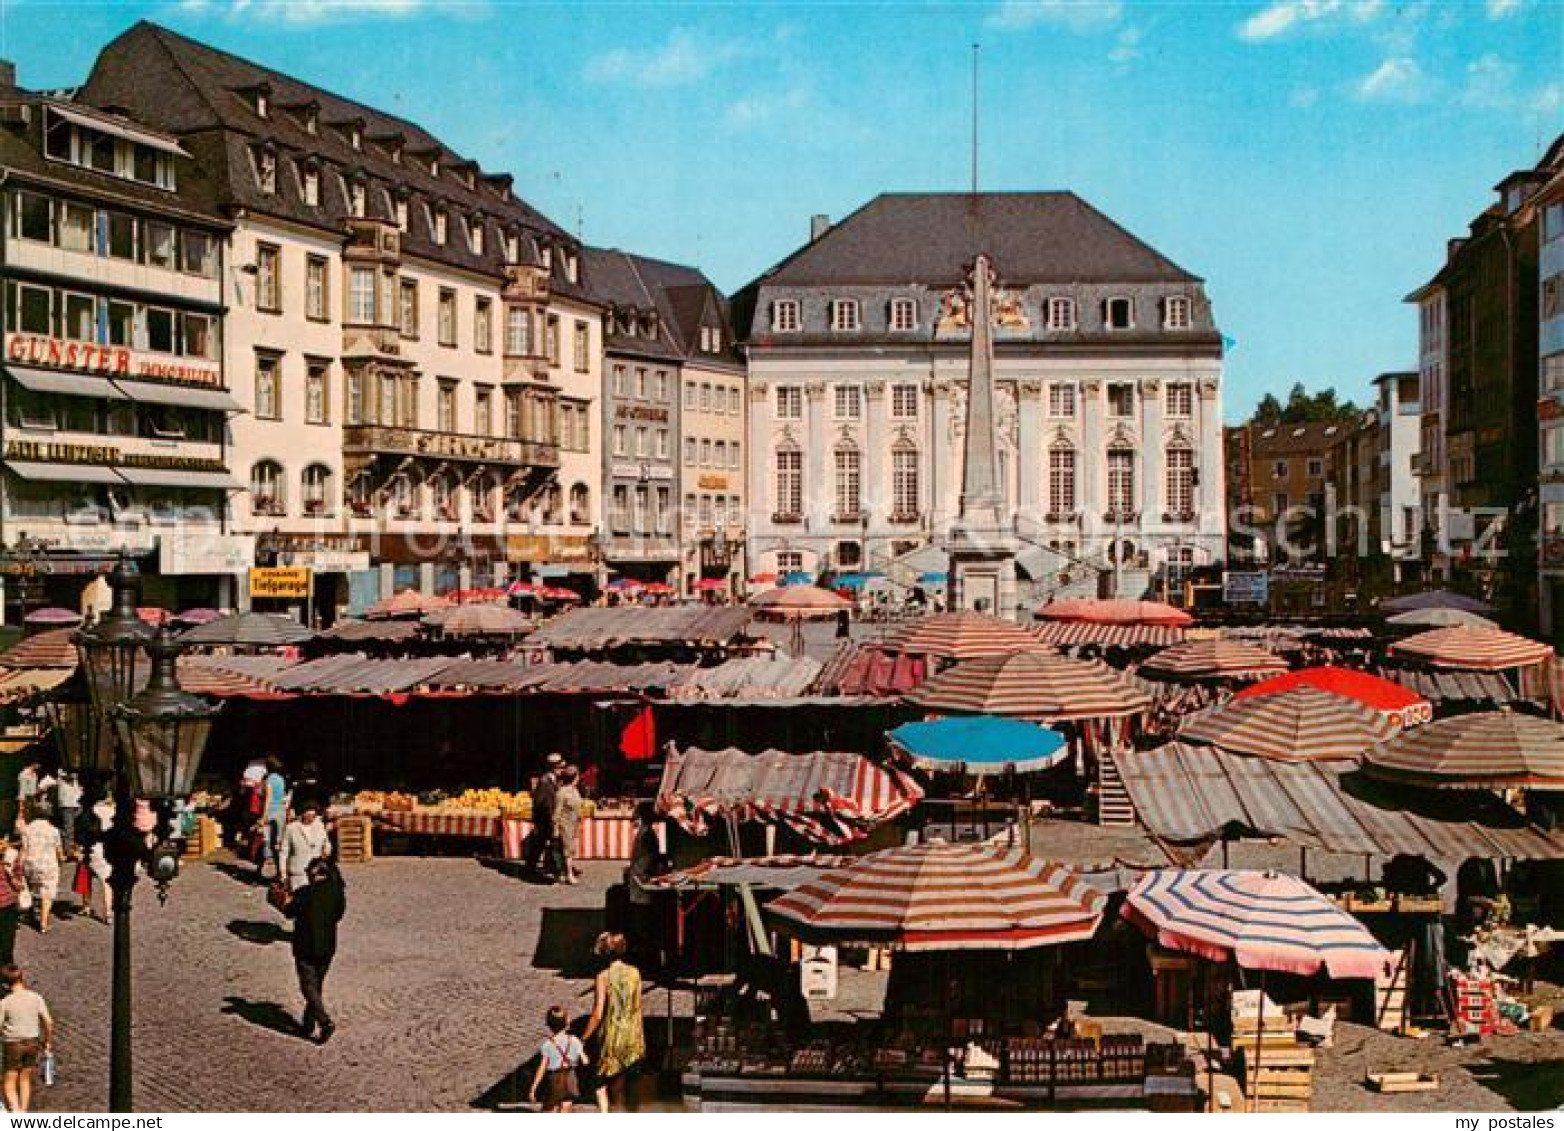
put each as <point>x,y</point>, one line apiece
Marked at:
<point>154,616</point>
<point>712,585</point>
<point>1114,611</point>
<point>657,588</point>
<point>521,588</point>
<point>557,593</point>
<point>475,596</point>
<point>1403,706</point>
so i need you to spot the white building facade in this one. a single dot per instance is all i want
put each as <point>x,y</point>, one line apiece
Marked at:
<point>1108,368</point>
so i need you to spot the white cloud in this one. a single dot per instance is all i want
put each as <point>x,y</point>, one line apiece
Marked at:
<point>1303,97</point>
<point>1498,9</point>
<point>757,108</point>
<point>1397,79</point>
<point>1282,16</point>
<point>1549,100</point>
<point>684,58</point>
<point>1489,83</point>
<point>307,12</point>
<point>1126,45</point>
<point>1077,15</point>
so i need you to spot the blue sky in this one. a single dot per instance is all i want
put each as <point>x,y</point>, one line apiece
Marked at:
<point>1307,157</point>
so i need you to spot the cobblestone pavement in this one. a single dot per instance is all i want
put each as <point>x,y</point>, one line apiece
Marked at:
<point>443,975</point>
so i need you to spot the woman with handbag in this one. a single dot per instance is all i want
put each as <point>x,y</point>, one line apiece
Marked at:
<point>42,853</point>
<point>556,1085</point>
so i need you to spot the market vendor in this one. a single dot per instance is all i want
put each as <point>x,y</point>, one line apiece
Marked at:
<point>1409,874</point>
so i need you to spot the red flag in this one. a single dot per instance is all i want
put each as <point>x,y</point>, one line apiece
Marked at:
<point>638,740</point>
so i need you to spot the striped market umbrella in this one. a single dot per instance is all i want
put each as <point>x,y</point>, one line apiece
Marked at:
<point>1032,685</point>
<point>1439,618</point>
<point>1301,725</point>
<point>1474,649</point>
<point>197,616</point>
<point>980,745</point>
<point>1484,750</point>
<point>479,620</point>
<point>1114,611</point>
<point>1436,599</point>
<point>260,630</point>
<point>55,648</point>
<point>1261,920</point>
<point>407,603</point>
<point>52,616</point>
<point>557,593</point>
<point>1070,634</point>
<point>800,602</point>
<point>1215,659</point>
<point>943,897</point>
<point>1401,705</point>
<point>963,636</point>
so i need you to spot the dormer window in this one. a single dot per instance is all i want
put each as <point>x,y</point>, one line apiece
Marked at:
<point>470,178</point>
<point>266,171</point>
<point>262,102</point>
<point>570,266</point>
<point>904,314</point>
<point>475,236</point>
<point>311,120</point>
<point>546,255</point>
<point>309,185</point>
<point>400,208</point>
<point>512,248</point>
<point>1175,313</point>
<point>356,198</point>
<point>784,315</point>
<point>649,325</point>
<point>395,151</point>
<point>440,227</point>
<point>356,137</point>
<point>844,314</point>
<point>434,166</point>
<point>1061,314</point>
<point>1118,314</point>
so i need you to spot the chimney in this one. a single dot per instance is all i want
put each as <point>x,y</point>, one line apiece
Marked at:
<point>7,76</point>
<point>819,225</point>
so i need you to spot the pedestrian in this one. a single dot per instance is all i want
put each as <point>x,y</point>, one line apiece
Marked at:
<point>274,812</point>
<point>12,885</point>
<point>41,856</point>
<point>567,824</point>
<point>844,624</point>
<point>99,905</point>
<point>26,1033</point>
<point>544,791</point>
<point>616,1013</point>
<point>26,792</point>
<point>559,1056</point>
<point>67,808</point>
<point>316,909</point>
<point>304,841</point>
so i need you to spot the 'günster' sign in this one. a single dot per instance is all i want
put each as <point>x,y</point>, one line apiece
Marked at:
<point>109,361</point>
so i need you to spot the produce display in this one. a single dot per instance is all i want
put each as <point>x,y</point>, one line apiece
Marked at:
<point>469,803</point>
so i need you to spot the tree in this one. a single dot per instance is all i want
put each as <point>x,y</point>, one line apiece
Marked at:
<point>1303,407</point>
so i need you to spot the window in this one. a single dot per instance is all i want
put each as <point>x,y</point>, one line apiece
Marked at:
<point>735,460</point>
<point>317,391</point>
<point>659,386</point>
<point>904,314</point>
<point>790,402</point>
<point>1180,399</point>
<point>735,402</point>
<point>1061,481</point>
<point>442,493</point>
<point>361,296</point>
<point>122,323</point>
<point>620,440</point>
<point>1175,314</point>
<point>1118,314</point>
<point>316,293</point>
<point>34,217</point>
<point>849,483</point>
<point>266,171</point>
<point>159,245</point>
<point>619,513</point>
<point>198,254</point>
<point>513,422</point>
<point>268,386</point>
<point>309,185</point>
<point>1180,463</point>
<point>159,326</point>
<point>719,454</point>
<point>661,449</point>
<point>266,488</point>
<point>315,486</point>
<point>80,320</point>
<point>581,504</point>
<point>621,381</point>
<point>268,277</point>
<point>1061,314</point>
<point>483,325</point>
<point>407,308</point>
<point>849,402</point>
<point>906,485</point>
<point>78,225</point>
<point>551,340</point>
<point>1121,483</point>
<point>475,236</point>
<point>1315,468</point>
<point>445,409</point>
<point>844,314</point>
<point>1279,503</point>
<point>120,241</point>
<point>1121,399</point>
<point>705,397</point>
<point>399,207</point>
<point>689,451</point>
<point>35,309</point>
<point>640,382</point>
<point>790,483</point>
<point>790,561</point>
<point>706,453</point>
<point>518,331</point>
<point>689,396</point>
<point>440,227</point>
<point>1279,469</point>
<point>1061,400</point>
<point>784,315</point>
<point>581,347</point>
<point>198,336</point>
<point>483,411</point>
<point>447,316</point>
<point>642,449</point>
<point>904,402</point>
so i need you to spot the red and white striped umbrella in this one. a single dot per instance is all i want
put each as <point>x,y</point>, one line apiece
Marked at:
<point>1401,705</point>
<point>1476,649</point>
<point>963,636</point>
<point>1114,611</point>
<point>1301,725</point>
<point>1261,920</point>
<point>407,603</point>
<point>1484,750</point>
<point>937,896</point>
<point>1216,659</point>
<point>1069,634</point>
<point>1033,685</point>
<point>479,620</point>
<point>54,648</point>
<point>799,602</point>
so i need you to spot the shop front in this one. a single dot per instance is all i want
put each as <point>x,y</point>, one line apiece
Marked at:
<point>569,561</point>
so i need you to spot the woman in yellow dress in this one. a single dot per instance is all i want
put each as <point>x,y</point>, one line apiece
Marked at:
<point>616,1011</point>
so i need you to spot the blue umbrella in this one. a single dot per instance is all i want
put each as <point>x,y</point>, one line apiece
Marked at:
<point>980,745</point>
<point>854,580</point>
<point>796,577</point>
<point>933,579</point>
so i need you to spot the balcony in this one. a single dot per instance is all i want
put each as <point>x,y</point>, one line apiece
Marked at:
<point>452,447</point>
<point>1125,518</point>
<point>786,518</point>
<point>1062,518</point>
<point>1178,516</point>
<point>525,283</point>
<point>641,548</point>
<point>850,518</point>
<point>904,518</point>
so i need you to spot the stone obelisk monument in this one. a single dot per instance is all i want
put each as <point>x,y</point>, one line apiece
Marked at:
<point>982,542</point>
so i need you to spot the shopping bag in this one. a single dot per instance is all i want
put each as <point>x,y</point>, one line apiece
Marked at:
<point>279,896</point>
<point>82,883</point>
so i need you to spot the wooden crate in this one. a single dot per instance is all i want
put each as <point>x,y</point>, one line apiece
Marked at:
<point>204,841</point>
<point>1393,1082</point>
<point>355,841</point>
<point>1279,1079</point>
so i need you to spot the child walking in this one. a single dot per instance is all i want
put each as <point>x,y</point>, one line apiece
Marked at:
<point>559,1056</point>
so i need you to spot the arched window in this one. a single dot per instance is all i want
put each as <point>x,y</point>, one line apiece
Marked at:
<point>849,483</point>
<point>1180,485</point>
<point>404,497</point>
<point>515,503</point>
<point>580,504</point>
<point>790,482</point>
<point>442,493</point>
<point>315,489</point>
<point>485,492</point>
<point>268,491</point>
<point>361,495</point>
<point>1121,483</point>
<point>554,504</point>
<point>1061,481</point>
<point>906,482</point>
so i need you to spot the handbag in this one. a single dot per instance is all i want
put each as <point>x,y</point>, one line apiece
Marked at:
<point>82,884</point>
<point>279,896</point>
<point>24,898</point>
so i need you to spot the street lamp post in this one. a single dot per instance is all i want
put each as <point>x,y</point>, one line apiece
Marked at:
<point>150,741</point>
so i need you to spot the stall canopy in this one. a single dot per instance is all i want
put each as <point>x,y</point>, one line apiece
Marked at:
<point>962,636</point>
<point>1114,611</point>
<point>255,630</point>
<point>1073,634</point>
<point>980,745</point>
<point>1033,685</point>
<point>371,631</point>
<point>831,797</point>
<point>857,669</point>
<point>55,648</point>
<point>407,603</point>
<point>589,629</point>
<point>751,677</point>
<point>1439,618</point>
<point>1436,599</point>
<point>1193,795</point>
<point>1474,649</point>
<point>777,873</point>
<point>1215,659</point>
<point>1397,702</point>
<point>1489,749</point>
<point>1443,686</point>
<point>1303,724</point>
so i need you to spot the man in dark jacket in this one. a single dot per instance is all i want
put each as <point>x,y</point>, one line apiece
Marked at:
<point>545,791</point>
<point>316,909</point>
